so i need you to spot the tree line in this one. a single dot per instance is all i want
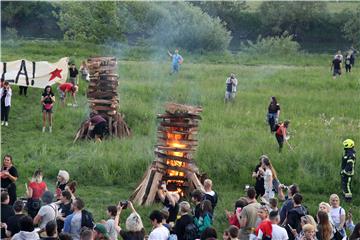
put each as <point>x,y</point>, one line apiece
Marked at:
<point>195,26</point>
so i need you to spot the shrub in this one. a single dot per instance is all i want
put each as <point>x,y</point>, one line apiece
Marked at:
<point>275,46</point>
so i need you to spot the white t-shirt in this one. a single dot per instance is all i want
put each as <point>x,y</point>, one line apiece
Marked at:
<point>159,233</point>
<point>279,233</point>
<point>335,215</point>
<point>110,228</point>
<point>48,213</point>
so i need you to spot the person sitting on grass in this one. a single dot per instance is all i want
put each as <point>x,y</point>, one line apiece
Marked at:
<point>282,135</point>
<point>65,88</point>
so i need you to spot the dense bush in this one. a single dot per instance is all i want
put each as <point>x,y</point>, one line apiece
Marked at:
<point>283,45</point>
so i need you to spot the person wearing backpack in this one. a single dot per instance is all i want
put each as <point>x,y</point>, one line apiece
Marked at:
<point>338,215</point>
<point>205,220</point>
<point>347,168</point>
<point>78,219</point>
<point>185,228</point>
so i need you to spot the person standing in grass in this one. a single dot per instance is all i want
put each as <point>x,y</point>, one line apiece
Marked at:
<point>5,96</point>
<point>348,62</point>
<point>348,168</point>
<point>269,175</point>
<point>47,101</point>
<point>336,66</point>
<point>231,88</point>
<point>73,74</point>
<point>273,114</point>
<point>177,60</point>
<point>281,134</point>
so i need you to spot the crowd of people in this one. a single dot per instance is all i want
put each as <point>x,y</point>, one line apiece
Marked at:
<point>62,214</point>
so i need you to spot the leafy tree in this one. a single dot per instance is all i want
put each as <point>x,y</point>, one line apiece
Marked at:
<point>30,19</point>
<point>351,27</point>
<point>293,17</point>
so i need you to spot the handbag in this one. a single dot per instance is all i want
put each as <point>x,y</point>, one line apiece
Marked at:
<point>48,106</point>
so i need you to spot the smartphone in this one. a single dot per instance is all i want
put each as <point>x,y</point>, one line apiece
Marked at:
<point>290,227</point>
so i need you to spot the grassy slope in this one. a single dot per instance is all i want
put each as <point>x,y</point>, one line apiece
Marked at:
<point>232,137</point>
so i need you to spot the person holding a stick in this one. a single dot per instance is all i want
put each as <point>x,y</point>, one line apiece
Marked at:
<point>281,134</point>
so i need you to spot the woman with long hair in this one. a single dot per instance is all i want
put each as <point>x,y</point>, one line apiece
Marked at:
<point>9,175</point>
<point>273,114</point>
<point>269,175</point>
<point>34,191</point>
<point>47,102</point>
<point>325,230</point>
<point>205,220</point>
<point>356,233</point>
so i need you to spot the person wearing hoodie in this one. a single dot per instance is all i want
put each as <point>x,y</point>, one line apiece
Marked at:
<point>27,231</point>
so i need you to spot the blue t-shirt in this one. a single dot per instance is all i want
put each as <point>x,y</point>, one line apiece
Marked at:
<point>176,58</point>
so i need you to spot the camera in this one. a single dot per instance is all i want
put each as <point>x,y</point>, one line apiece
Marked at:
<point>124,204</point>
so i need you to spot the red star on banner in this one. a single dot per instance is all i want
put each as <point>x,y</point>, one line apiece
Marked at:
<point>55,73</point>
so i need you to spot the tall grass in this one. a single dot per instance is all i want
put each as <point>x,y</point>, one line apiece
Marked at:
<point>323,112</point>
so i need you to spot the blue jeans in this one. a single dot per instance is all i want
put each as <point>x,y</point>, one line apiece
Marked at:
<point>272,120</point>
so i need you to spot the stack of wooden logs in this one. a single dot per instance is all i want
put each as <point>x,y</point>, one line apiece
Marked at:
<point>103,97</point>
<point>174,164</point>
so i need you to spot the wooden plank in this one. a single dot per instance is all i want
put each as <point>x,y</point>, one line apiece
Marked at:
<point>181,108</point>
<point>165,167</point>
<point>180,125</point>
<point>154,187</point>
<point>103,101</point>
<point>176,158</point>
<point>175,149</point>
<point>172,116</point>
<point>177,131</point>
<point>195,180</point>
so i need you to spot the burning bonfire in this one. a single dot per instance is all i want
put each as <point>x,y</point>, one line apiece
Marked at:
<point>174,163</point>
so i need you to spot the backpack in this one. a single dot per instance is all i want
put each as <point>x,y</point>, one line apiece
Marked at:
<point>191,232</point>
<point>87,219</point>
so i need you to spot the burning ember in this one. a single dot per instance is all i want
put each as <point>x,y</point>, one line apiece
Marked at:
<point>174,164</point>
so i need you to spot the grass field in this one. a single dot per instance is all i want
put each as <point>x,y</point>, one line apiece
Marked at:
<point>323,112</point>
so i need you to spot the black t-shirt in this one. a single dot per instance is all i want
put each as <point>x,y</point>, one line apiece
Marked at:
<point>126,235</point>
<point>336,62</point>
<point>13,224</point>
<point>173,210</point>
<point>6,212</point>
<point>6,181</point>
<point>274,108</point>
<point>259,180</point>
<point>48,100</point>
<point>65,209</point>
<point>197,211</point>
<point>3,96</point>
<point>73,72</point>
<point>180,225</point>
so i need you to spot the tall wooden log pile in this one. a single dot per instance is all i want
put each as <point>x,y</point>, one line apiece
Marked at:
<point>174,164</point>
<point>103,98</point>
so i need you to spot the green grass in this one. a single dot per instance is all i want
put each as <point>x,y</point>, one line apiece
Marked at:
<point>323,112</point>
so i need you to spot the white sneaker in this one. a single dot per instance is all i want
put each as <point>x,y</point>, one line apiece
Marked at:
<point>50,129</point>
<point>43,129</point>
<point>6,124</point>
<point>2,123</point>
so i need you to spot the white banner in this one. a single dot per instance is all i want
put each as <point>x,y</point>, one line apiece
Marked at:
<point>34,74</point>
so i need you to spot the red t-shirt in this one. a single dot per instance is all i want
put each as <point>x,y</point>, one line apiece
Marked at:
<point>265,227</point>
<point>66,87</point>
<point>38,189</point>
<point>280,130</point>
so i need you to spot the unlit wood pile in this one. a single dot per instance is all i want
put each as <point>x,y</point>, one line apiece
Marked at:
<point>103,98</point>
<point>174,163</point>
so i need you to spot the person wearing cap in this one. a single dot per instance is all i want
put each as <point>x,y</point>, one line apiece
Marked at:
<point>47,212</point>
<point>100,232</point>
<point>231,88</point>
<point>185,219</point>
<point>67,88</point>
<point>62,180</point>
<point>347,168</point>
